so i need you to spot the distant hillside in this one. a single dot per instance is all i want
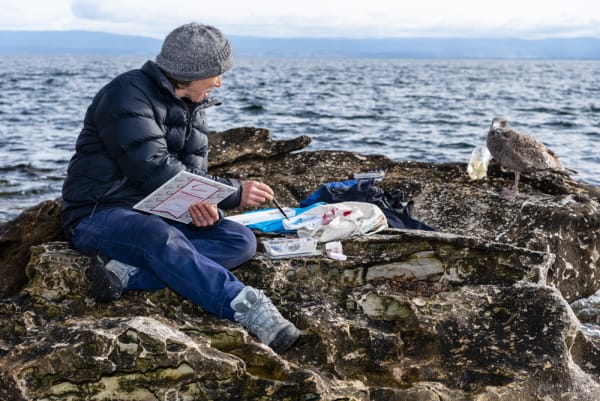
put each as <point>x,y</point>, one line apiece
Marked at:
<point>442,48</point>
<point>75,42</point>
<point>84,42</point>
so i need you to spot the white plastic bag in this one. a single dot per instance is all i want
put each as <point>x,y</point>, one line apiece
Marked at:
<point>338,220</point>
<point>335,251</point>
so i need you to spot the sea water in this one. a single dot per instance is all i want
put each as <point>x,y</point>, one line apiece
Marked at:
<point>424,110</point>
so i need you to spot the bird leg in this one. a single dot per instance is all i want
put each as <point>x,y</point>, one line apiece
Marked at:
<point>510,194</point>
<point>516,187</point>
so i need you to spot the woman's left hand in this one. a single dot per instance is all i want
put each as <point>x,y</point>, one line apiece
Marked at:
<point>204,214</point>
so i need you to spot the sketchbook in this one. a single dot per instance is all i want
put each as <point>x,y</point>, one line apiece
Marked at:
<point>172,199</point>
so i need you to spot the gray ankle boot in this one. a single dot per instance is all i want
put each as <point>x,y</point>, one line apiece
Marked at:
<point>106,285</point>
<point>260,317</point>
<point>109,277</point>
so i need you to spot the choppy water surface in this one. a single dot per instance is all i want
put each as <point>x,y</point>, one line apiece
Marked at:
<point>423,110</point>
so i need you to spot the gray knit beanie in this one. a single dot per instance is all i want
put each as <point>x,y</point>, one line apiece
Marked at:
<point>195,51</point>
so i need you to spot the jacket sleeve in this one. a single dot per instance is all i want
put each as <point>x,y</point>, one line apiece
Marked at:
<point>127,126</point>
<point>233,200</point>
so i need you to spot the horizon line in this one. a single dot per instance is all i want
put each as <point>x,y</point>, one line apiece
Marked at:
<point>429,37</point>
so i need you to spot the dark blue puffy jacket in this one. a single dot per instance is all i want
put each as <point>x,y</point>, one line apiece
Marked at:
<point>136,135</point>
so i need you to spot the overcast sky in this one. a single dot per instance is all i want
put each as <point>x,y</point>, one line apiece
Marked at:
<point>313,18</point>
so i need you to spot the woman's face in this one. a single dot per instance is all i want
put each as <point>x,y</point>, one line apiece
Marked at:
<point>198,90</point>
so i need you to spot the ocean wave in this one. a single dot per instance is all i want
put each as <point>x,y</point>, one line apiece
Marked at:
<point>253,109</point>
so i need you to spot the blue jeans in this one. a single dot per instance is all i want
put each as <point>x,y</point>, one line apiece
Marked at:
<point>194,262</point>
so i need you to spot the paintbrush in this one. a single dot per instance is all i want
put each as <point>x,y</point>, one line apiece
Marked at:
<point>276,203</point>
<point>280,208</point>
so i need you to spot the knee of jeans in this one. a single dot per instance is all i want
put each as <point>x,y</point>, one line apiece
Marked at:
<point>158,234</point>
<point>245,245</point>
<point>163,239</point>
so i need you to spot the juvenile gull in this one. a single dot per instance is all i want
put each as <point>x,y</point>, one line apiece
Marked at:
<point>521,153</point>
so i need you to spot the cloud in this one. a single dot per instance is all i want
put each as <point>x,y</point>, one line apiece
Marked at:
<point>33,14</point>
<point>316,18</point>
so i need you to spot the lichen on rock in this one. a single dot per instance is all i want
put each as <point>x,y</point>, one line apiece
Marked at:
<point>477,311</point>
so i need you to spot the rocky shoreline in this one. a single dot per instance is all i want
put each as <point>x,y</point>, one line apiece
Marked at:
<point>478,311</point>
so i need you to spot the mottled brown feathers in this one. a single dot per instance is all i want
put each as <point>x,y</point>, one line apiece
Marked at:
<point>521,153</point>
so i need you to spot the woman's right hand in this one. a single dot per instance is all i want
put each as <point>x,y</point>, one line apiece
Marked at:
<point>254,193</point>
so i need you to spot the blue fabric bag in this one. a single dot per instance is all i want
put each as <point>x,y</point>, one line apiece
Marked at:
<point>316,196</point>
